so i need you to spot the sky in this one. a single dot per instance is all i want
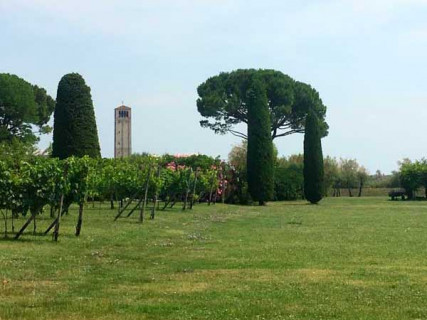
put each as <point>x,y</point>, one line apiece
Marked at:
<point>367,59</point>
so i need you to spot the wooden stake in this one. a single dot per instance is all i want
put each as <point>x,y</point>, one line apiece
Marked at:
<point>125,206</point>
<point>80,219</point>
<point>50,227</point>
<point>156,196</point>
<point>21,231</point>
<point>187,190</point>
<point>5,222</point>
<point>134,208</point>
<point>194,189</point>
<point>35,226</point>
<point>141,212</point>
<point>58,219</point>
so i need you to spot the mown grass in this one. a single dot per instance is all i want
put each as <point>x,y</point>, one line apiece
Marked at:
<point>343,259</point>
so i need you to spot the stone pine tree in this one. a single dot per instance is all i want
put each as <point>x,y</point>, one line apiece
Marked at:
<point>23,108</point>
<point>260,162</point>
<point>74,131</point>
<point>313,159</point>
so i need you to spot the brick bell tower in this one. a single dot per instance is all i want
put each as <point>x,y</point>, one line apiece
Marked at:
<point>122,132</point>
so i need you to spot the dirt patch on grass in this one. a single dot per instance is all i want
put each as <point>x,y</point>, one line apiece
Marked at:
<point>176,287</point>
<point>361,283</point>
<point>255,275</point>
<point>29,284</point>
<point>227,276</point>
<point>316,275</point>
<point>174,232</point>
<point>20,290</point>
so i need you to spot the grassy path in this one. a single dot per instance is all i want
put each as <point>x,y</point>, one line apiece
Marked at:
<point>343,259</point>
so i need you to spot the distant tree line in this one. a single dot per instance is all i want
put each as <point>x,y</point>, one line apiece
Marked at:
<point>340,177</point>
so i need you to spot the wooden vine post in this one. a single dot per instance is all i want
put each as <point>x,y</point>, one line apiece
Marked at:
<point>34,224</point>
<point>21,231</point>
<point>144,202</point>
<point>83,193</point>
<point>80,218</point>
<point>223,184</point>
<point>61,203</point>
<point>58,219</point>
<point>187,189</point>
<point>156,196</point>
<point>5,222</point>
<point>194,188</point>
<point>212,197</point>
<point>121,210</point>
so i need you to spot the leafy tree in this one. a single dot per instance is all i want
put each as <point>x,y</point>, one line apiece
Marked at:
<point>423,173</point>
<point>15,150</point>
<point>289,178</point>
<point>413,175</point>
<point>331,174</point>
<point>409,178</point>
<point>22,105</point>
<point>260,157</point>
<point>362,177</point>
<point>238,156</point>
<point>393,180</point>
<point>223,101</point>
<point>381,180</point>
<point>349,168</point>
<point>75,132</point>
<point>313,160</point>
<point>238,182</point>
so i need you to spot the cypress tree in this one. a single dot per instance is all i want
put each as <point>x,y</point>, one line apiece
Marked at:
<point>74,130</point>
<point>260,162</point>
<point>313,159</point>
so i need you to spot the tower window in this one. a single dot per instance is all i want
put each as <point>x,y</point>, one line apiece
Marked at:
<point>123,114</point>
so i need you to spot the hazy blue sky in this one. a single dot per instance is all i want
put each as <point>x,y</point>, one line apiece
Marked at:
<point>367,58</point>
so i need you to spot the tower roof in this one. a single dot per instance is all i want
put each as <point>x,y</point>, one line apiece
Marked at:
<point>122,107</point>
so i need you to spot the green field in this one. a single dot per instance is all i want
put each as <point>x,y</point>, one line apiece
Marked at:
<point>347,258</point>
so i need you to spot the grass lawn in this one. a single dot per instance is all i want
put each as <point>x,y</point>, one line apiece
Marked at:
<point>346,258</point>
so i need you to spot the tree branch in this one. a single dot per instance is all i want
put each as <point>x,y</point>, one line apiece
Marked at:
<point>287,133</point>
<point>238,134</point>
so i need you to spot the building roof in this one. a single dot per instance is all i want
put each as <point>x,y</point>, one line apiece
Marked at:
<point>122,107</point>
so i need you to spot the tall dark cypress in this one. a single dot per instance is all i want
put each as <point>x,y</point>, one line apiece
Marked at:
<point>313,159</point>
<point>260,162</point>
<point>74,129</point>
